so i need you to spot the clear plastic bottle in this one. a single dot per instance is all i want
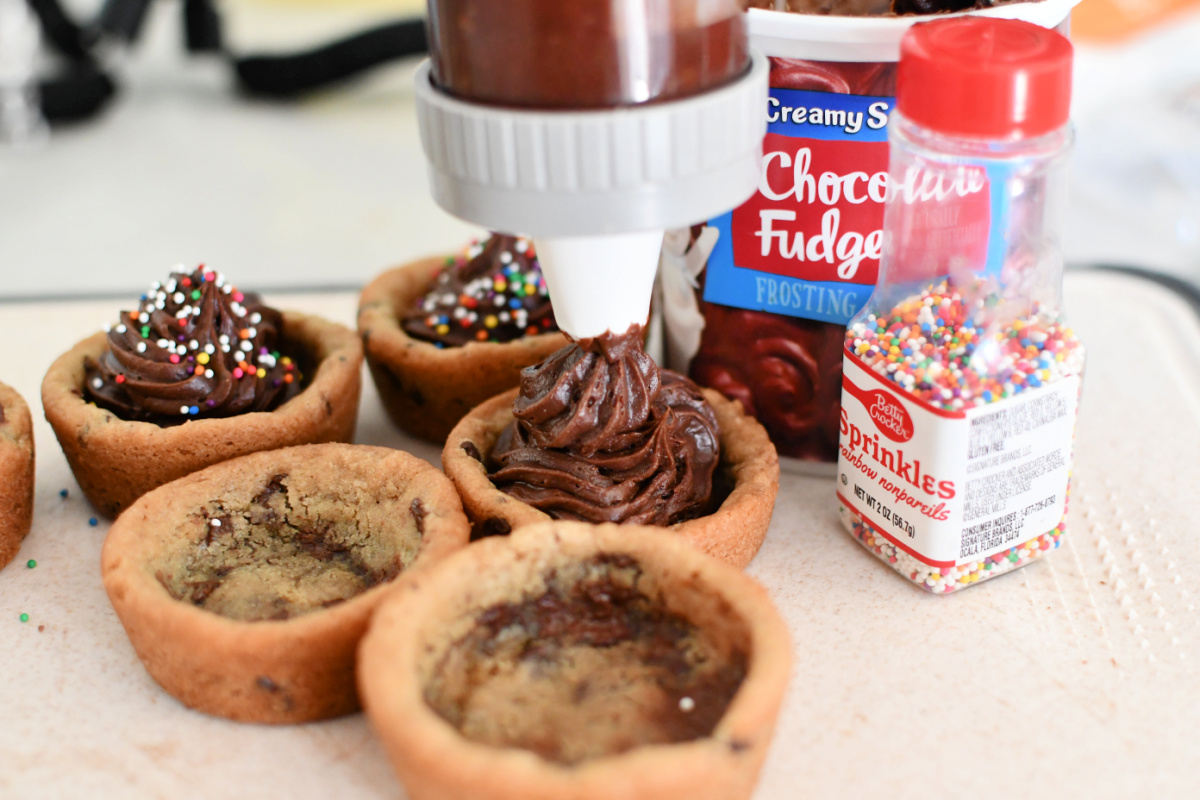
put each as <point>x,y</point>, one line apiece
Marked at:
<point>549,54</point>
<point>960,375</point>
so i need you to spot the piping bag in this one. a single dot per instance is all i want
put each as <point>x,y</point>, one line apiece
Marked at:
<point>635,117</point>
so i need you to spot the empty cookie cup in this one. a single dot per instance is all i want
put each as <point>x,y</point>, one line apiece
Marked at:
<point>744,486</point>
<point>245,587</point>
<point>572,660</point>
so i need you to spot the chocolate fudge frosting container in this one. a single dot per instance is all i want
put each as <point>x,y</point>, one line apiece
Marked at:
<point>576,661</point>
<point>755,303</point>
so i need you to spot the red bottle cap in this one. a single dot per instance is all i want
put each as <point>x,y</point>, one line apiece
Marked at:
<point>984,78</point>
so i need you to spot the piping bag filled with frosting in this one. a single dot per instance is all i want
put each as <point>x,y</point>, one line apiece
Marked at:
<point>601,434</point>
<point>196,347</point>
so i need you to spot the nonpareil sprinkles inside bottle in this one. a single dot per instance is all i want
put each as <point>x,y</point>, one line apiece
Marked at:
<point>960,376</point>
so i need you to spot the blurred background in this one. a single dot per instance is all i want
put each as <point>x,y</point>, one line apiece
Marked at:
<point>326,189</point>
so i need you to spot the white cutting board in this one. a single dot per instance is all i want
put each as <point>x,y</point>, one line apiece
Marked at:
<point>1073,677</point>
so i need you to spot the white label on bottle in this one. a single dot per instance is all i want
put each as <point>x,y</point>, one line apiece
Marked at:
<point>951,487</point>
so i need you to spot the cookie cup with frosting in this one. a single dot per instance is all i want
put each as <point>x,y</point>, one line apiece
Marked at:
<point>116,461</point>
<point>16,472</point>
<point>245,587</point>
<point>744,486</point>
<point>576,661</point>
<point>425,389</point>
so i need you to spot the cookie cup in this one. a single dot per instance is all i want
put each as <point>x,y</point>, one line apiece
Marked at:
<point>16,472</point>
<point>116,461</point>
<point>746,480</point>
<point>614,711</point>
<point>426,390</point>
<point>302,528</point>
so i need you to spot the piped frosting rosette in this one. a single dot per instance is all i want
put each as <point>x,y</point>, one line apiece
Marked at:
<point>196,347</point>
<point>601,434</point>
<point>494,292</point>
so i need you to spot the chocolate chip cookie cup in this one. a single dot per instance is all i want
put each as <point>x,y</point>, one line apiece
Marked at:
<point>428,386</point>
<point>16,472</point>
<point>744,485</point>
<point>576,661</point>
<point>245,588</point>
<point>117,460</point>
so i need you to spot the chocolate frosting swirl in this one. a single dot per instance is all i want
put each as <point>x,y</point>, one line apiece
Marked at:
<point>601,434</point>
<point>195,348</point>
<point>495,293</point>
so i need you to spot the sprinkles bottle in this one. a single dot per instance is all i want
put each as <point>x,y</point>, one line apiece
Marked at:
<point>961,376</point>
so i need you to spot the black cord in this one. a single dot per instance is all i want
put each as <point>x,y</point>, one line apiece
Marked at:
<point>293,75</point>
<point>202,27</point>
<point>76,94</point>
<point>83,88</point>
<point>61,32</point>
<point>1188,290</point>
<point>123,19</point>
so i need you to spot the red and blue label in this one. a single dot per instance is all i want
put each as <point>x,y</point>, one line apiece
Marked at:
<point>808,243</point>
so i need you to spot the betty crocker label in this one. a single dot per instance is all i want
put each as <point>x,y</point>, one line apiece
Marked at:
<point>808,243</point>
<point>951,487</point>
<point>885,411</point>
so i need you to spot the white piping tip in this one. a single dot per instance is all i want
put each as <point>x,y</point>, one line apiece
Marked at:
<point>600,283</point>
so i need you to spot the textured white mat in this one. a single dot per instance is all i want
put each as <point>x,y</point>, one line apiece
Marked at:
<point>1077,676</point>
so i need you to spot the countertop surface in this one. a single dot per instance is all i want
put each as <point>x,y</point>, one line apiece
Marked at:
<point>1075,676</point>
